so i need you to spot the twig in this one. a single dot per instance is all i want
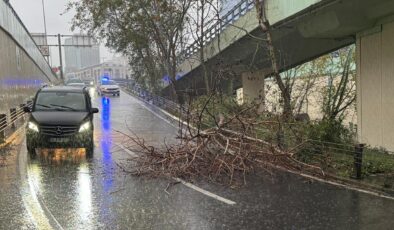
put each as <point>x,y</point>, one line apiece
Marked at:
<point>171,184</point>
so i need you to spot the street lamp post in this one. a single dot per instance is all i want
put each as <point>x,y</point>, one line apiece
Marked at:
<point>45,25</point>
<point>43,13</point>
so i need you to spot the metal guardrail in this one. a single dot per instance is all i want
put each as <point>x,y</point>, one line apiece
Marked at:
<point>215,27</point>
<point>10,122</point>
<point>156,100</point>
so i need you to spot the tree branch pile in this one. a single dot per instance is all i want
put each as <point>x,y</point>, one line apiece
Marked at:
<point>216,154</point>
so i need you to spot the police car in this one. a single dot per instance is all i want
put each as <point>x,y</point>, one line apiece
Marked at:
<point>108,87</point>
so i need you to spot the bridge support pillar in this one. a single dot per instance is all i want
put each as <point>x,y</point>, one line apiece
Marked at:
<point>375,84</point>
<point>253,87</point>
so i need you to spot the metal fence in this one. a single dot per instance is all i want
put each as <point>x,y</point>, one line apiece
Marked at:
<point>213,28</point>
<point>156,100</point>
<point>13,120</point>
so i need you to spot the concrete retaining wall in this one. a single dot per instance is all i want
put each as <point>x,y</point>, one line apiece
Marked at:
<point>375,81</point>
<point>22,67</point>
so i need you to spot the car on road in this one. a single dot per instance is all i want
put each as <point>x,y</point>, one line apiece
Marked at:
<point>88,83</point>
<point>108,87</point>
<point>74,81</point>
<point>61,116</point>
<point>77,85</point>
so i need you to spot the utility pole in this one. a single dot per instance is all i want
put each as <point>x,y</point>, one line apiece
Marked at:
<point>43,13</point>
<point>45,28</point>
<point>60,56</point>
<point>60,45</point>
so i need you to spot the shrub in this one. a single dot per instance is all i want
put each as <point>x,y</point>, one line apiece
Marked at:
<point>329,131</point>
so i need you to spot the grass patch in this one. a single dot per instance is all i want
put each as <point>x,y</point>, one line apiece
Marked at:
<point>377,161</point>
<point>377,164</point>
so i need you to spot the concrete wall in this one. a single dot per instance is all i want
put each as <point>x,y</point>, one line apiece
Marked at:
<point>314,100</point>
<point>375,81</point>
<point>253,87</point>
<point>278,10</point>
<point>19,76</point>
<point>22,67</point>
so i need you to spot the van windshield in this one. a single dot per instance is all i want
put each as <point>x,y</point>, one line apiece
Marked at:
<point>60,101</point>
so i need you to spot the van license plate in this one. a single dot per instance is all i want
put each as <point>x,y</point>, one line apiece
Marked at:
<point>59,140</point>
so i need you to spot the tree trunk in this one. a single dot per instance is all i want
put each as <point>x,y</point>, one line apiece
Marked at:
<point>264,24</point>
<point>201,41</point>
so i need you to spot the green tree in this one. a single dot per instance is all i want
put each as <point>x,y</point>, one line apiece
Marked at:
<point>340,92</point>
<point>151,32</point>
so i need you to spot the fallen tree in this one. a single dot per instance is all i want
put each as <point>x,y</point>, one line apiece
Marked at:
<point>223,153</point>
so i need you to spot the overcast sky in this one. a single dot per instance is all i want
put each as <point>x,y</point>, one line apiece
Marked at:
<point>30,11</point>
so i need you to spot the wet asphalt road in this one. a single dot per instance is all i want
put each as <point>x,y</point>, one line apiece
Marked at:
<point>64,190</point>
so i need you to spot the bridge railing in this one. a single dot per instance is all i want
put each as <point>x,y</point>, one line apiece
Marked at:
<point>215,27</point>
<point>13,120</point>
<point>156,100</point>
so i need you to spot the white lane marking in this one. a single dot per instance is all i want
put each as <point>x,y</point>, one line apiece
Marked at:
<point>346,186</point>
<point>349,187</point>
<point>177,119</point>
<point>127,150</point>
<point>33,201</point>
<point>187,184</point>
<point>35,193</point>
<point>143,104</point>
<point>205,192</point>
<point>153,112</point>
<point>173,117</point>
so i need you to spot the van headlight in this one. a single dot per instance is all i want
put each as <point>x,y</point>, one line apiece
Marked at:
<point>32,126</point>
<point>84,127</point>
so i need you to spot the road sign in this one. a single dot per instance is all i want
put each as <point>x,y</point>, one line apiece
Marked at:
<point>55,69</point>
<point>41,40</point>
<point>44,50</point>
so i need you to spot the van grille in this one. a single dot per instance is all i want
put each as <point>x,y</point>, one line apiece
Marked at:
<point>59,131</point>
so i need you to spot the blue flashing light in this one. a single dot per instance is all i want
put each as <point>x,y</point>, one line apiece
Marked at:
<point>105,101</point>
<point>105,79</point>
<point>107,146</point>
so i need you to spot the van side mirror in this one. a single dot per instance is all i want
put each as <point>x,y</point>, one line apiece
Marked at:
<point>94,110</point>
<point>26,109</point>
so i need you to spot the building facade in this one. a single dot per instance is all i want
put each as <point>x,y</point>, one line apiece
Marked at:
<point>77,56</point>
<point>312,103</point>
<point>116,68</point>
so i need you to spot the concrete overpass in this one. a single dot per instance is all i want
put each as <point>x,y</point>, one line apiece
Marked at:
<point>302,31</point>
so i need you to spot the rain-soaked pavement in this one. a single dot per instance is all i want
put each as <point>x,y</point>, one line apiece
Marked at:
<point>64,190</point>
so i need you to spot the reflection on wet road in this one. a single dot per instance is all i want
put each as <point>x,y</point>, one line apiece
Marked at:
<point>66,190</point>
